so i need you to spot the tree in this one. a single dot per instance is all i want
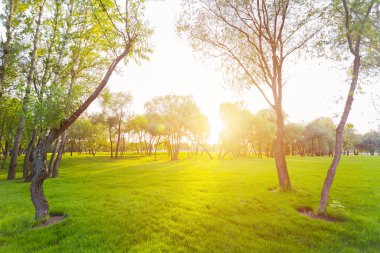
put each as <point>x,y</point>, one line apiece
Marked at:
<point>348,138</point>
<point>138,126</point>
<point>9,109</point>
<point>115,106</point>
<point>176,112</point>
<point>124,35</point>
<point>319,135</point>
<point>263,132</point>
<point>294,138</point>
<point>8,48</point>
<point>30,76</point>
<point>234,136</point>
<point>357,26</point>
<point>253,40</point>
<point>198,131</point>
<point>369,142</point>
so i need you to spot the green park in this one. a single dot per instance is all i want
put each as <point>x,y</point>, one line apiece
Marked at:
<point>190,126</point>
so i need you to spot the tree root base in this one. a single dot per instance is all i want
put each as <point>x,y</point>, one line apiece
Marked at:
<point>307,211</point>
<point>53,219</point>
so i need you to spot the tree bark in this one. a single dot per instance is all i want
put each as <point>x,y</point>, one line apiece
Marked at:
<point>28,153</point>
<point>339,138</point>
<point>40,174</point>
<point>52,158</point>
<point>59,156</point>
<point>282,171</point>
<point>20,128</point>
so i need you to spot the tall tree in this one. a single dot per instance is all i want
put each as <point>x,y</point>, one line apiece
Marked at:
<point>357,25</point>
<point>138,126</point>
<point>253,40</point>
<point>319,135</point>
<point>32,67</point>
<point>9,109</point>
<point>6,45</point>
<point>175,112</point>
<point>115,105</point>
<point>121,35</point>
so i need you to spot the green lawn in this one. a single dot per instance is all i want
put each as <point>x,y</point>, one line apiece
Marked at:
<point>195,205</point>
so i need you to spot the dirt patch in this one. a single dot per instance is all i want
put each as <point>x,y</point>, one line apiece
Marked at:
<point>307,211</point>
<point>272,189</point>
<point>54,218</point>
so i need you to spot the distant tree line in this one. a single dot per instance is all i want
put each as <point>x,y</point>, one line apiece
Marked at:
<point>170,122</point>
<point>173,123</point>
<point>247,134</point>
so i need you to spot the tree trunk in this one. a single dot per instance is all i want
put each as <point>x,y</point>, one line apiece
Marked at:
<point>110,135</point>
<point>206,150</point>
<point>339,138</point>
<point>6,46</point>
<point>20,128</point>
<point>260,150</point>
<point>28,153</point>
<point>118,139</point>
<point>15,149</point>
<point>39,163</point>
<point>40,174</point>
<point>52,158</point>
<point>155,148</point>
<point>282,171</point>
<point>5,153</point>
<point>225,154</point>
<point>59,156</point>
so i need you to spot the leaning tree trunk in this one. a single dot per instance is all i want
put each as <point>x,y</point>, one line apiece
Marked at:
<point>279,154</point>
<point>205,149</point>
<point>52,158</point>
<point>28,153</point>
<point>339,138</point>
<point>39,163</point>
<point>59,156</point>
<point>40,174</point>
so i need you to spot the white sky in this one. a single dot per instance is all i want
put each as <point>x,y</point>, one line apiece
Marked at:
<point>311,92</point>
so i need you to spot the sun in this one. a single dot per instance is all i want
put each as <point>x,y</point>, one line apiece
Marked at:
<point>216,126</point>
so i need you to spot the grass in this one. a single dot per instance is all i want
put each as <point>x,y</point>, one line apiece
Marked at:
<point>195,205</point>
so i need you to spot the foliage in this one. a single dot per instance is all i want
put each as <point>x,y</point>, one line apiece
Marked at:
<point>177,114</point>
<point>369,142</point>
<point>320,135</point>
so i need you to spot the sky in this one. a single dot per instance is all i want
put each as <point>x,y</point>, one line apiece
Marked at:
<point>314,88</point>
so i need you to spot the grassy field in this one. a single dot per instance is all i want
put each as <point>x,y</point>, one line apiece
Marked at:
<point>195,205</point>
